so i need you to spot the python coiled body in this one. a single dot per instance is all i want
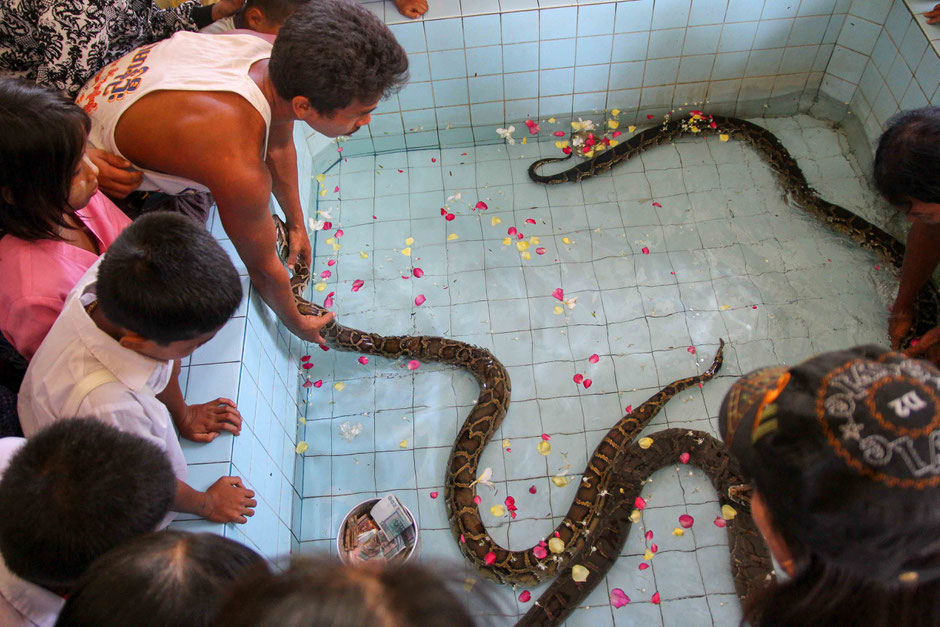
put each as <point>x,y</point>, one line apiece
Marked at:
<point>792,181</point>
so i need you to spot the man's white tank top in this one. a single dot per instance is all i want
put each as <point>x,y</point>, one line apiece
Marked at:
<point>184,62</point>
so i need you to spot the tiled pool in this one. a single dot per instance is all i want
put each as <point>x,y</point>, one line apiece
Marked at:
<point>720,255</point>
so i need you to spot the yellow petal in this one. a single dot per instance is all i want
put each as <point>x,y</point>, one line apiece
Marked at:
<point>403,444</point>
<point>631,128</point>
<point>558,310</point>
<point>452,236</point>
<point>339,386</point>
<point>495,220</point>
<point>526,255</point>
<point>614,142</point>
<point>635,516</point>
<point>600,148</point>
<point>330,240</point>
<point>556,545</point>
<point>694,129</point>
<point>645,443</point>
<point>544,448</point>
<point>678,531</point>
<point>507,241</point>
<point>576,126</point>
<point>521,245</point>
<point>551,120</point>
<point>409,241</point>
<point>406,251</point>
<point>320,286</point>
<point>565,240</point>
<point>563,143</point>
<point>579,573</point>
<point>524,140</point>
<point>364,255</point>
<point>647,555</point>
<point>560,481</point>
<point>323,192</point>
<point>336,247</point>
<point>302,420</point>
<point>301,447</point>
<point>534,240</point>
<point>506,443</point>
<point>728,512</point>
<point>613,123</point>
<point>320,178</point>
<point>725,307</point>
<point>724,137</point>
<point>498,510</point>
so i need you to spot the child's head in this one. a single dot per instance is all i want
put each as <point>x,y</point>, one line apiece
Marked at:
<point>843,453</point>
<point>907,161</point>
<point>165,578</point>
<point>44,173</point>
<point>322,592</point>
<point>75,490</point>
<point>266,16</point>
<point>167,283</point>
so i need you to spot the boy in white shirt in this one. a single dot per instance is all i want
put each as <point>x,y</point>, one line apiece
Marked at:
<point>261,16</point>
<point>164,288</point>
<point>69,494</point>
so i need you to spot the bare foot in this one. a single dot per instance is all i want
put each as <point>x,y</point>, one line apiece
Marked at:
<point>412,8</point>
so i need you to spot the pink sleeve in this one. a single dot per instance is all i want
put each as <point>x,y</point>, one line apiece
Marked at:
<point>29,321</point>
<point>107,218</point>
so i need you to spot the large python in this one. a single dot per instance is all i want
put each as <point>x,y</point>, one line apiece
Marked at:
<point>595,514</point>
<point>788,172</point>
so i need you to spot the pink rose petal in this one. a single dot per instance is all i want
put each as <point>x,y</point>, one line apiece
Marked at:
<point>644,566</point>
<point>684,458</point>
<point>691,350</point>
<point>720,522</point>
<point>639,503</point>
<point>686,521</point>
<point>533,489</point>
<point>512,230</point>
<point>357,284</point>
<point>534,128</point>
<point>328,301</point>
<point>655,599</point>
<point>363,360</point>
<point>339,232</point>
<point>449,217</point>
<point>489,559</point>
<point>323,347</point>
<point>656,204</point>
<point>649,117</point>
<point>414,364</point>
<point>336,189</point>
<point>654,548</point>
<point>566,150</point>
<point>433,495</point>
<point>539,552</point>
<point>618,598</point>
<point>546,437</point>
<point>331,262</point>
<point>308,383</point>
<point>318,383</point>
<point>529,221</point>
<point>443,211</point>
<point>648,535</point>
<point>578,378</point>
<point>594,358</point>
<point>327,226</point>
<point>418,273</point>
<point>305,358</point>
<point>559,133</point>
<point>481,205</point>
<point>462,539</point>
<point>539,251</point>
<point>326,274</point>
<point>433,160</point>
<point>616,134</point>
<point>587,383</point>
<point>307,366</point>
<point>645,250</point>
<point>420,300</point>
<point>559,294</point>
<point>525,597</point>
<point>629,409</point>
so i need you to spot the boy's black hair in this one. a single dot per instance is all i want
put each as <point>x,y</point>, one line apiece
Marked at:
<point>275,11</point>
<point>165,578</point>
<point>167,279</point>
<point>335,52</point>
<point>42,143</point>
<point>326,592</point>
<point>75,490</point>
<point>908,157</point>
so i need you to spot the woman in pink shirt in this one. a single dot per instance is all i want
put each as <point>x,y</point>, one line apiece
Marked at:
<point>54,223</point>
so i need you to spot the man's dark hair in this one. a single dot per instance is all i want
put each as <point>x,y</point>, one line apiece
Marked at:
<point>908,157</point>
<point>275,11</point>
<point>165,578</point>
<point>167,279</point>
<point>326,592</point>
<point>41,145</point>
<point>75,490</point>
<point>335,52</point>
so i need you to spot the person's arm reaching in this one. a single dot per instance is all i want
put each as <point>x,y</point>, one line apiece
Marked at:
<point>201,422</point>
<point>282,163</point>
<point>920,259</point>
<point>114,177</point>
<point>226,500</point>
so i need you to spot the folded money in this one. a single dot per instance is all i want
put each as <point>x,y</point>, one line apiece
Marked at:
<point>390,515</point>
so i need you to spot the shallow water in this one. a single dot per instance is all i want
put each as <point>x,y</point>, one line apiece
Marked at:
<point>727,257</point>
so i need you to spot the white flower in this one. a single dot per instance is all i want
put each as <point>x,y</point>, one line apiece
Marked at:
<point>506,133</point>
<point>582,125</point>
<point>316,225</point>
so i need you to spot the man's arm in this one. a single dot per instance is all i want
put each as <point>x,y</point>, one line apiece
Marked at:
<point>920,259</point>
<point>226,500</point>
<point>282,164</point>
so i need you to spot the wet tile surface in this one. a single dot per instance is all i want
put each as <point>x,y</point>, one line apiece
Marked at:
<point>664,255</point>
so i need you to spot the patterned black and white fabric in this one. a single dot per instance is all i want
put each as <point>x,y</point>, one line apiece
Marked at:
<point>62,43</point>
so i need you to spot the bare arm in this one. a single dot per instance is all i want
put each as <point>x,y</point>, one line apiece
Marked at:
<point>282,164</point>
<point>226,500</point>
<point>920,260</point>
<point>199,422</point>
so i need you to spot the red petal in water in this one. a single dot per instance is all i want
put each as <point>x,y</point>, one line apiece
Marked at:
<point>533,489</point>
<point>686,521</point>
<point>654,548</point>
<point>331,262</point>
<point>512,231</point>
<point>418,273</point>
<point>616,134</point>
<point>462,539</point>
<point>414,364</point>
<point>420,299</point>
<point>433,495</point>
<point>481,205</point>
<point>443,211</point>
<point>648,535</point>
<point>305,358</point>
<point>477,499</point>
<point>691,350</point>
<point>559,294</point>
<point>357,284</point>
<point>525,597</point>
<point>307,366</point>
<point>645,250</point>
<point>539,552</point>
<point>720,522</point>
<point>363,360</point>
<point>540,251</point>
<point>587,383</point>
<point>318,383</point>
<point>594,358</point>
<point>326,274</point>
<point>578,378</point>
<point>323,347</point>
<point>656,204</point>
<point>559,133</point>
<point>618,598</point>
<point>649,117</point>
<point>546,437</point>
<point>529,221</point>
<point>566,150</point>
<point>308,383</point>
<point>449,217</point>
<point>327,226</point>
<point>644,566</point>
<point>489,559</point>
<point>629,409</point>
<point>655,599</point>
<point>339,232</point>
<point>433,160</point>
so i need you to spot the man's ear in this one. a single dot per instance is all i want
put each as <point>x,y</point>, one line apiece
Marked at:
<point>133,341</point>
<point>303,109</point>
<point>253,19</point>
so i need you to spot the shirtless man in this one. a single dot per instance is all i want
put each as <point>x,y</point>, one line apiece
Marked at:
<point>216,112</point>
<point>906,166</point>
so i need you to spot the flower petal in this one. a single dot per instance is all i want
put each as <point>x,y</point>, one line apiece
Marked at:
<point>556,545</point>
<point>655,598</point>
<point>544,448</point>
<point>452,236</point>
<point>691,350</point>
<point>308,383</point>
<point>418,273</point>
<point>684,458</point>
<point>539,251</point>
<point>594,358</point>
<point>560,481</point>
<point>533,489</point>
<point>719,521</point>
<point>579,573</point>
<point>559,294</point>
<point>644,565</point>
<point>318,383</point>
<point>588,383</point>
<point>635,516</point>
<point>489,559</point>
<point>498,510</point>
<point>539,552</point>
<point>686,521</point>
<point>301,447</point>
<point>480,205</point>
<point>525,597</point>
<point>363,360</point>
<point>420,300</point>
<point>339,386</point>
<point>648,535</point>
<point>477,499</point>
<point>357,284</point>
<point>629,409</point>
<point>728,512</point>
<point>495,220</point>
<point>578,378</point>
<point>645,443</point>
<point>414,364</point>
<point>406,251</point>
<point>639,503</point>
<point>618,598</point>
<point>433,495</point>
<point>529,221</point>
<point>678,532</point>
<point>645,250</point>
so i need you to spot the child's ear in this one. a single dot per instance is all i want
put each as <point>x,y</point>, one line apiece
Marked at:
<point>254,19</point>
<point>133,341</point>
